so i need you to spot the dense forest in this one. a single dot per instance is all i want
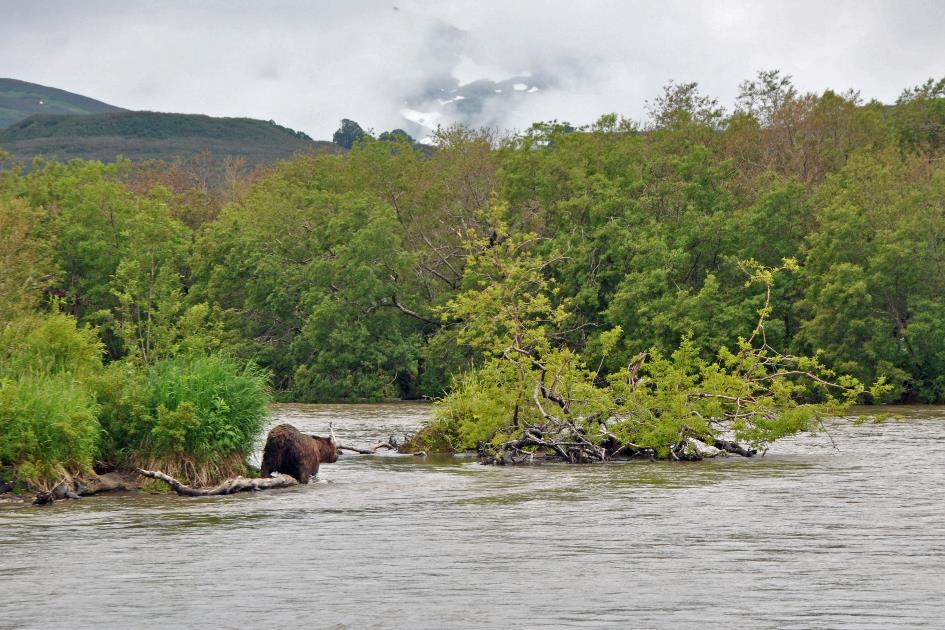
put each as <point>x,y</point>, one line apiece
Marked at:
<point>143,307</point>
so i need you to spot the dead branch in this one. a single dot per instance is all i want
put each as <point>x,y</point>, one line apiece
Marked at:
<point>555,398</point>
<point>566,441</point>
<point>367,451</point>
<point>541,409</point>
<point>733,447</point>
<point>354,449</point>
<point>230,486</point>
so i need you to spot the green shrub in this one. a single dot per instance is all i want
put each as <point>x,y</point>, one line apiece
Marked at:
<point>124,415</point>
<point>49,344</point>
<point>193,416</point>
<point>48,413</point>
<point>48,427</point>
<point>204,415</point>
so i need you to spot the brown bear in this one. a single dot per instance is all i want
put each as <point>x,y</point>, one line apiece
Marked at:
<point>293,453</point>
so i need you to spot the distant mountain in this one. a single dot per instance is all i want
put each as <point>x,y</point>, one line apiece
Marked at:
<point>36,120</point>
<point>19,99</point>
<point>153,135</point>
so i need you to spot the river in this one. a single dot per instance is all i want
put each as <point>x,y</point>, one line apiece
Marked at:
<point>807,536</point>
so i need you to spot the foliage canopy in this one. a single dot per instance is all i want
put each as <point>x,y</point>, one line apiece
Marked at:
<point>486,265</point>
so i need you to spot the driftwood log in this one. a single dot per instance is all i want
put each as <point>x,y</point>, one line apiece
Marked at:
<point>230,486</point>
<point>84,486</point>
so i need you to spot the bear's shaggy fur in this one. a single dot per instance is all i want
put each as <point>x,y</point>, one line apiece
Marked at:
<point>291,452</point>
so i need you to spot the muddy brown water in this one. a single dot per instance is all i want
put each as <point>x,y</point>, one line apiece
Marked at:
<point>803,537</point>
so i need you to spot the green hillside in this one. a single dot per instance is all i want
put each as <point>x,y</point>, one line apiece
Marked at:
<point>20,99</point>
<point>152,135</point>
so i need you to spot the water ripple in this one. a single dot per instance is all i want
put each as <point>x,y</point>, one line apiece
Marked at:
<point>804,537</point>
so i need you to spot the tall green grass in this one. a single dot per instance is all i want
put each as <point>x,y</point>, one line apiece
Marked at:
<point>205,412</point>
<point>48,428</point>
<point>48,415</point>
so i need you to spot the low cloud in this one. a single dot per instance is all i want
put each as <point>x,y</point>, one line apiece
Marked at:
<point>307,66</point>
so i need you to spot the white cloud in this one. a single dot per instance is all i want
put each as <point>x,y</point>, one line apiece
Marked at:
<point>424,119</point>
<point>307,65</point>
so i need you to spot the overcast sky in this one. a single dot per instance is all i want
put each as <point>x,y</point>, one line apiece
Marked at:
<point>307,64</point>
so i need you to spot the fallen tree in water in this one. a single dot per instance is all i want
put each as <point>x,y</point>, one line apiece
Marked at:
<point>533,399</point>
<point>390,445</point>
<point>229,486</point>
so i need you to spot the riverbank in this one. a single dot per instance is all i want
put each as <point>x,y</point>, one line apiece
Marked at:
<point>398,419</point>
<point>806,536</point>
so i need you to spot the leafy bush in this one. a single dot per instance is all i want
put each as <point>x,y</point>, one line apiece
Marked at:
<point>124,415</point>
<point>48,414</point>
<point>60,410</point>
<point>48,428</point>
<point>50,344</point>
<point>203,414</point>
